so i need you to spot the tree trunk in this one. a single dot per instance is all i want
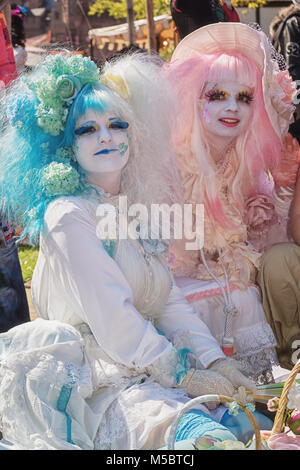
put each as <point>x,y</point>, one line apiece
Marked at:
<point>151,26</point>
<point>130,21</point>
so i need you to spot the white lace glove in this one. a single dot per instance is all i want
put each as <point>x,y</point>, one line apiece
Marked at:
<point>230,368</point>
<point>205,382</point>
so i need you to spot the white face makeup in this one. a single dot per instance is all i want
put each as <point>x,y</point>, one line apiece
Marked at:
<point>101,143</point>
<point>226,109</point>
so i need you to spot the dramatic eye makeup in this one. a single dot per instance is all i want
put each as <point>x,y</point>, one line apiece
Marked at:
<point>91,126</point>
<point>216,94</point>
<point>245,96</point>
<point>116,123</point>
<point>87,128</point>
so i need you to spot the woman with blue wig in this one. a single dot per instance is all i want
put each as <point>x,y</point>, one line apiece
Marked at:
<point>116,350</point>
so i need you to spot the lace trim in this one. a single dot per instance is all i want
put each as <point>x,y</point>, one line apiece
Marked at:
<point>163,369</point>
<point>255,340</point>
<point>259,364</point>
<point>130,414</point>
<point>23,410</point>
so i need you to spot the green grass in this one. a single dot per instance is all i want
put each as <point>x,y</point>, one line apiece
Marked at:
<point>27,256</point>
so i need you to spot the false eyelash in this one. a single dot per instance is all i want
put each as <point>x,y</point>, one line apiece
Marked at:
<point>249,96</point>
<point>213,94</point>
<point>118,125</point>
<point>84,130</point>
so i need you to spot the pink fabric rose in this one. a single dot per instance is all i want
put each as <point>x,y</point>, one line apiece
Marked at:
<point>259,215</point>
<point>294,422</point>
<point>273,404</point>
<point>287,85</point>
<point>283,441</point>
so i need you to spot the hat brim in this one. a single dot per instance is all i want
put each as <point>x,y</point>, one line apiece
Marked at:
<point>236,38</point>
<point>240,39</point>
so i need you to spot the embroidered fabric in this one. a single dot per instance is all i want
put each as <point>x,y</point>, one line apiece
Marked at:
<point>258,366</point>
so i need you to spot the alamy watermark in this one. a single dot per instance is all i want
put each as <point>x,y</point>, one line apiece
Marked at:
<point>161,221</point>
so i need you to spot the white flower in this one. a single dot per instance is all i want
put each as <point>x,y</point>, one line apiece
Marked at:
<point>230,445</point>
<point>294,397</point>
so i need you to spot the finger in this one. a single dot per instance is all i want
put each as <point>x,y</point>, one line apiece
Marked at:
<point>247,383</point>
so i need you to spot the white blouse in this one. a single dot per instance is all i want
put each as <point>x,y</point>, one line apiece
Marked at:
<point>124,300</point>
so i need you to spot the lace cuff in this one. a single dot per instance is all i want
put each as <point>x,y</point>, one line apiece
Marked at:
<point>170,369</point>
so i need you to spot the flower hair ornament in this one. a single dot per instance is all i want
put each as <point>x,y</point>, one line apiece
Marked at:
<point>59,79</point>
<point>239,38</point>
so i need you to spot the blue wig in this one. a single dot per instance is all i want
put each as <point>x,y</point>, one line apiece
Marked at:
<point>97,98</point>
<point>29,156</point>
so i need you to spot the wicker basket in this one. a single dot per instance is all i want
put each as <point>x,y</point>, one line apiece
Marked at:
<point>279,417</point>
<point>215,398</point>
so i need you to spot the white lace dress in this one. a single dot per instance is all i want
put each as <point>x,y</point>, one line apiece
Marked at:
<point>95,370</point>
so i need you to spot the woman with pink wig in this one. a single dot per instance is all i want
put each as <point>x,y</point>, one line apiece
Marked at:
<point>234,108</point>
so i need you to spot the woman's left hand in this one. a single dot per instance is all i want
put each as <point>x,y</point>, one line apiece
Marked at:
<point>286,173</point>
<point>231,370</point>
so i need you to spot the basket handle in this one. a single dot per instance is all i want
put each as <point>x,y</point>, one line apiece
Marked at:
<point>278,426</point>
<point>208,398</point>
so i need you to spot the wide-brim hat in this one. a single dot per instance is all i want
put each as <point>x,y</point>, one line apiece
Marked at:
<point>239,38</point>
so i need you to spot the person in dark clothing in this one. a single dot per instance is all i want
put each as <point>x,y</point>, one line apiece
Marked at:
<point>189,15</point>
<point>17,26</point>
<point>285,36</point>
<point>13,301</point>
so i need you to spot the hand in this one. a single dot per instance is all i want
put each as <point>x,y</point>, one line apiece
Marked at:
<point>286,173</point>
<point>230,369</point>
<point>206,382</point>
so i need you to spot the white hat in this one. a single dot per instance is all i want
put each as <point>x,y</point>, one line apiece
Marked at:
<point>239,38</point>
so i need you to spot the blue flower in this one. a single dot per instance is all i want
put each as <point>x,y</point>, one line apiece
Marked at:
<point>233,408</point>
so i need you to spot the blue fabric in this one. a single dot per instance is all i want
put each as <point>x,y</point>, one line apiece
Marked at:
<point>183,364</point>
<point>109,246</point>
<point>160,332</point>
<point>241,426</point>
<point>61,405</point>
<point>196,423</point>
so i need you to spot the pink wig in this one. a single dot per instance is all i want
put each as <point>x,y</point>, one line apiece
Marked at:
<point>256,151</point>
